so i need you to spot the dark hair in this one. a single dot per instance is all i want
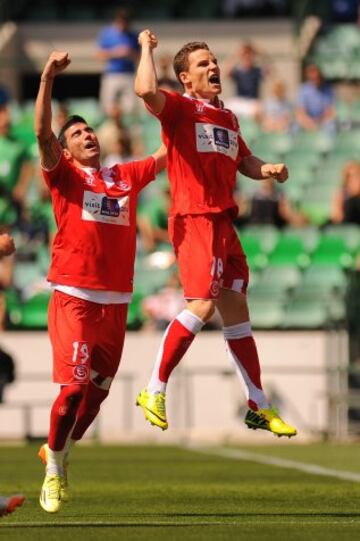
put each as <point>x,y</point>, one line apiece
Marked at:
<point>181,59</point>
<point>73,119</point>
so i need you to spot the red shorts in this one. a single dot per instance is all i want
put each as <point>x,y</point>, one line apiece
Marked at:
<point>85,335</point>
<point>209,255</point>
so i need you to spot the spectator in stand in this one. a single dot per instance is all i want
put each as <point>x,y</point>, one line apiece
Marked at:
<point>270,206</point>
<point>163,306</point>
<point>152,220</point>
<point>7,249</point>
<point>346,200</point>
<point>111,128</point>
<point>15,171</point>
<point>119,50</point>
<point>166,81</point>
<point>316,102</point>
<point>61,116</point>
<point>276,111</point>
<point>247,77</point>
<point>121,150</point>
<point>4,96</point>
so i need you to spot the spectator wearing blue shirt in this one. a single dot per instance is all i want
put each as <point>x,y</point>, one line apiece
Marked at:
<point>247,77</point>
<point>316,102</point>
<point>119,50</point>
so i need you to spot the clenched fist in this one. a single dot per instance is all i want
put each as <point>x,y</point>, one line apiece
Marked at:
<point>57,62</point>
<point>278,171</point>
<point>147,39</point>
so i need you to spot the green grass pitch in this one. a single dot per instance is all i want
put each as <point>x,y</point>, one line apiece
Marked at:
<point>157,493</point>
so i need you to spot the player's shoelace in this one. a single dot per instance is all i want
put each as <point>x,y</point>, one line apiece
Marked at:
<point>53,487</point>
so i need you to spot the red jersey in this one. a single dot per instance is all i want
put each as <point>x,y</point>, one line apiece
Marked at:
<point>204,152</point>
<point>95,212</point>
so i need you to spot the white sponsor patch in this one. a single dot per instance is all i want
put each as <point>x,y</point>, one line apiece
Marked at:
<point>98,207</point>
<point>213,138</point>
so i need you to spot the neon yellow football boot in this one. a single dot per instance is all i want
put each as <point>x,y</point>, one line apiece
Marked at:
<point>153,405</point>
<point>269,419</point>
<point>50,495</point>
<point>43,454</point>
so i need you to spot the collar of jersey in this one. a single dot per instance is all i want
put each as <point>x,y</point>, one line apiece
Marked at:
<point>203,100</point>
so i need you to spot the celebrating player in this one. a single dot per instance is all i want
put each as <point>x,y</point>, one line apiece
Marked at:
<point>91,272</point>
<point>205,151</point>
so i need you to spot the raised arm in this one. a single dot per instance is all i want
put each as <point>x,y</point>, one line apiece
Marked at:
<point>146,85</point>
<point>160,157</point>
<point>50,148</point>
<point>257,169</point>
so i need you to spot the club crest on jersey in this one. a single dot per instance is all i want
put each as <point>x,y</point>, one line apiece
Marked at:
<point>81,372</point>
<point>98,207</point>
<point>199,107</point>
<point>89,180</point>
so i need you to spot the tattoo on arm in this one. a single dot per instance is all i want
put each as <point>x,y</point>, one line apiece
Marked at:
<point>50,152</point>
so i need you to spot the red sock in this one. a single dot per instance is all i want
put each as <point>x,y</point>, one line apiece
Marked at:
<point>88,410</point>
<point>243,352</point>
<point>246,352</point>
<point>63,415</point>
<point>175,343</point>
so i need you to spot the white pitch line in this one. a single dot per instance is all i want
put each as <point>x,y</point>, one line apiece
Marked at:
<point>239,454</point>
<point>240,522</point>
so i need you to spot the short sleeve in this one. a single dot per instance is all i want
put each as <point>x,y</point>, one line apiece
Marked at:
<point>141,172</point>
<point>59,173</point>
<point>172,107</point>
<point>243,148</point>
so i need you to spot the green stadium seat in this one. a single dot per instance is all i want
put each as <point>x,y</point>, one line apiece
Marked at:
<point>315,142</point>
<point>306,314</point>
<point>266,314</point>
<point>249,129</point>
<point>34,312</point>
<point>307,160</point>
<point>348,143</point>
<point>281,277</point>
<point>289,251</point>
<point>279,143</point>
<point>324,277</point>
<point>350,233</point>
<point>135,318</point>
<point>332,251</point>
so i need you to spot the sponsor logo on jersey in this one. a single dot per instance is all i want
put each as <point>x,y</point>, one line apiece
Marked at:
<point>213,138</point>
<point>98,207</point>
<point>221,137</point>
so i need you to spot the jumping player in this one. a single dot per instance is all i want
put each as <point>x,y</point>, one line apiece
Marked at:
<point>205,151</point>
<point>91,271</point>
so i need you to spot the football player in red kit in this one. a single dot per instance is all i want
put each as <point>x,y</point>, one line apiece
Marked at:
<point>91,272</point>
<point>205,151</point>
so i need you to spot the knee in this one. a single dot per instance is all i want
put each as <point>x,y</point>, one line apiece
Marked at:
<point>73,394</point>
<point>202,308</point>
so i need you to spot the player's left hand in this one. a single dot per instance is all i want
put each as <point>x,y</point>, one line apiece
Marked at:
<point>277,171</point>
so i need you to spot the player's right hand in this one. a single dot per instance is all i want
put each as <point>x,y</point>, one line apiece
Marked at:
<point>7,245</point>
<point>147,39</point>
<point>57,62</point>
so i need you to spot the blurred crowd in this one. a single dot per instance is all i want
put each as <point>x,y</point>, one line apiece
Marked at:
<point>127,132</point>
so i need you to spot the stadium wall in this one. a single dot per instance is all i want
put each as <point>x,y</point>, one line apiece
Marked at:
<point>275,39</point>
<point>304,373</point>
